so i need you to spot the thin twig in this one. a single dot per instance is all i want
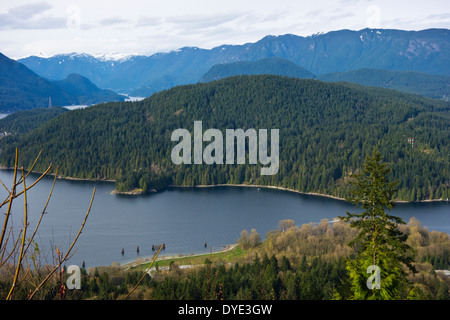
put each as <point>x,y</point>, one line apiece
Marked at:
<point>31,169</point>
<point>13,249</point>
<point>28,269</point>
<point>43,211</point>
<point>22,246</point>
<point>11,197</point>
<point>5,186</point>
<point>68,251</point>
<point>32,185</point>
<point>3,250</point>
<point>145,273</point>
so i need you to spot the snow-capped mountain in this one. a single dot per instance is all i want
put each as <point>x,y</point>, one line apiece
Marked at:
<point>115,56</point>
<point>426,51</point>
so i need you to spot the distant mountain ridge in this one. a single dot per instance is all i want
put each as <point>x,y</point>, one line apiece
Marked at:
<point>23,89</point>
<point>85,91</point>
<point>426,51</point>
<point>427,85</point>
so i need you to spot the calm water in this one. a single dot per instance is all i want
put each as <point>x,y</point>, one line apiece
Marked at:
<point>184,219</point>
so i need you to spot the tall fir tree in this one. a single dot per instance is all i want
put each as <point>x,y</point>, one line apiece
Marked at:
<point>379,268</point>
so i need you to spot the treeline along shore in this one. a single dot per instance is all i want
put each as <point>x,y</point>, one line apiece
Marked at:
<point>325,132</point>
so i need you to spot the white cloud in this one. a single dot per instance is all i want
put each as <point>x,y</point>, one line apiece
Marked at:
<point>29,10</point>
<point>146,21</point>
<point>9,22</point>
<point>31,16</point>
<point>113,21</point>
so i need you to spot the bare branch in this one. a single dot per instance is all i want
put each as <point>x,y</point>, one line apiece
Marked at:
<point>68,251</point>
<point>5,186</point>
<point>11,197</point>
<point>31,169</point>
<point>13,249</point>
<point>43,210</point>
<point>22,246</point>
<point>32,185</point>
<point>145,273</point>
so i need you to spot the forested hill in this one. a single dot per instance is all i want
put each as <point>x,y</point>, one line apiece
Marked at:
<point>85,91</point>
<point>22,89</point>
<point>272,65</point>
<point>26,120</point>
<point>427,85</point>
<point>326,129</point>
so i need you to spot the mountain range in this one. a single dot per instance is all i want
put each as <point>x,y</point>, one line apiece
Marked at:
<point>22,89</point>
<point>426,51</point>
<point>409,61</point>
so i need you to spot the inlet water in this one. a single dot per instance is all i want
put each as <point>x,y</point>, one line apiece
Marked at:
<point>182,218</point>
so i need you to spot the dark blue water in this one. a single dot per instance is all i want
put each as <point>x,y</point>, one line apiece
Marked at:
<point>183,219</point>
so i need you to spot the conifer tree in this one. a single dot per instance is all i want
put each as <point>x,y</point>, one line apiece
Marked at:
<point>381,247</point>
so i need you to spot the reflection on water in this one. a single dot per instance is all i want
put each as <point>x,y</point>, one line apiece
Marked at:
<point>182,218</point>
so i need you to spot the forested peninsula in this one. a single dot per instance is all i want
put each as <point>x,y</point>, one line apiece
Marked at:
<point>326,130</point>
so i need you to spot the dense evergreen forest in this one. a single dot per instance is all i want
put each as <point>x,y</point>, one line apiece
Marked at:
<point>326,130</point>
<point>427,85</point>
<point>272,65</point>
<point>302,263</point>
<point>23,121</point>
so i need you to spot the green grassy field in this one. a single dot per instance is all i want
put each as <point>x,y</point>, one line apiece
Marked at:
<point>227,256</point>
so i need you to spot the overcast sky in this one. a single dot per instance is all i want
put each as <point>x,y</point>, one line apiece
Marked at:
<point>46,27</point>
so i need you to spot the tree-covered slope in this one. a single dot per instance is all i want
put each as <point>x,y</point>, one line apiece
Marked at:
<point>22,89</point>
<point>273,65</point>
<point>85,91</point>
<point>326,130</point>
<point>427,85</point>
<point>26,120</point>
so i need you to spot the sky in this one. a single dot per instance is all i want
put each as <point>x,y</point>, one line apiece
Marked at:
<point>49,27</point>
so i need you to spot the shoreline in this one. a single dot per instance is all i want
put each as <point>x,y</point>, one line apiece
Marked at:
<point>296,191</point>
<point>133,192</point>
<point>138,191</point>
<point>259,186</point>
<point>142,261</point>
<point>61,177</point>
